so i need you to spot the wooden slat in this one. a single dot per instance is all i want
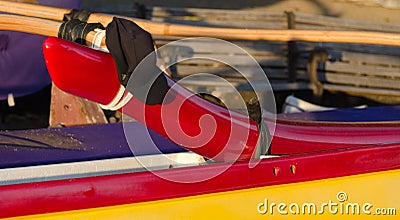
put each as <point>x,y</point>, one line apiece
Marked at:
<point>215,14</point>
<point>243,85</point>
<point>355,68</point>
<point>360,90</point>
<point>372,66</point>
<point>69,110</point>
<point>363,48</point>
<point>361,58</point>
<point>227,72</point>
<point>223,23</point>
<point>350,24</point>
<point>301,26</point>
<point>236,60</point>
<point>368,58</point>
<point>220,18</point>
<point>362,81</point>
<point>368,71</point>
<point>199,46</point>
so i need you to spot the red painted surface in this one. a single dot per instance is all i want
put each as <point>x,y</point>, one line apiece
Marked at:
<point>62,195</point>
<point>289,138</point>
<point>301,136</point>
<point>72,70</point>
<point>92,74</point>
<point>205,128</point>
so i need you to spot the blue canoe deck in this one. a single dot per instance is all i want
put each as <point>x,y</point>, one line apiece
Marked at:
<point>81,143</point>
<point>370,114</point>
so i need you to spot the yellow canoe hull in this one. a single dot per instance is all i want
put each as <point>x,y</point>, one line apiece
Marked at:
<point>364,196</point>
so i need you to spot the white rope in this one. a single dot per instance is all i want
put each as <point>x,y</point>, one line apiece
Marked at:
<point>123,102</point>
<point>10,100</point>
<point>119,100</point>
<point>116,99</point>
<point>97,39</point>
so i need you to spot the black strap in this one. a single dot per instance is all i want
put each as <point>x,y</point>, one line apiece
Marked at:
<point>82,15</point>
<point>212,98</point>
<point>75,30</point>
<point>129,44</point>
<point>252,105</point>
<point>254,109</point>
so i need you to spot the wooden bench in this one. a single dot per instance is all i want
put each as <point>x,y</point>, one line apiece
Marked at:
<point>371,71</point>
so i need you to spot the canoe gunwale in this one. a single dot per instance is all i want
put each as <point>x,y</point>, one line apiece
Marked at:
<point>118,189</point>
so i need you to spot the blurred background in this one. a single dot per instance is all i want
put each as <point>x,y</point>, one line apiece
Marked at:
<point>385,11</point>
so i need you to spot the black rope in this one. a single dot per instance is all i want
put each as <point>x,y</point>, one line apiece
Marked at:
<point>75,30</point>
<point>82,15</point>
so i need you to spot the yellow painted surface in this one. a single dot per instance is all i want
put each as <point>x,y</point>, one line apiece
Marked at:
<point>369,192</point>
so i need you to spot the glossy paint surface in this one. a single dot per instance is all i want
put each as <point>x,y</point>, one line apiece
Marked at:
<point>100,83</point>
<point>293,136</point>
<point>368,114</point>
<point>119,189</point>
<point>303,200</point>
<point>325,158</point>
<point>187,119</point>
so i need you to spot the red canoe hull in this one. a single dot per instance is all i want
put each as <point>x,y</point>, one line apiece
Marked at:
<point>187,119</point>
<point>130,188</point>
<point>93,75</point>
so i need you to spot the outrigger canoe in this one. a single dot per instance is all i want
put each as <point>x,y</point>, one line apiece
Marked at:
<point>315,169</point>
<point>292,136</point>
<point>363,175</point>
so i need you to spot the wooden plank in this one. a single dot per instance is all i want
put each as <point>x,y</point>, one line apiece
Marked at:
<point>69,110</point>
<point>220,18</point>
<point>50,28</point>
<point>351,58</point>
<point>308,20</point>
<point>361,81</point>
<point>236,60</point>
<point>361,58</point>
<point>215,14</point>
<point>223,23</point>
<point>367,58</point>
<point>242,85</point>
<point>350,24</point>
<point>360,90</point>
<point>227,72</point>
<point>301,26</point>
<point>362,48</point>
<point>199,46</point>
<point>354,68</point>
<point>363,69</point>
